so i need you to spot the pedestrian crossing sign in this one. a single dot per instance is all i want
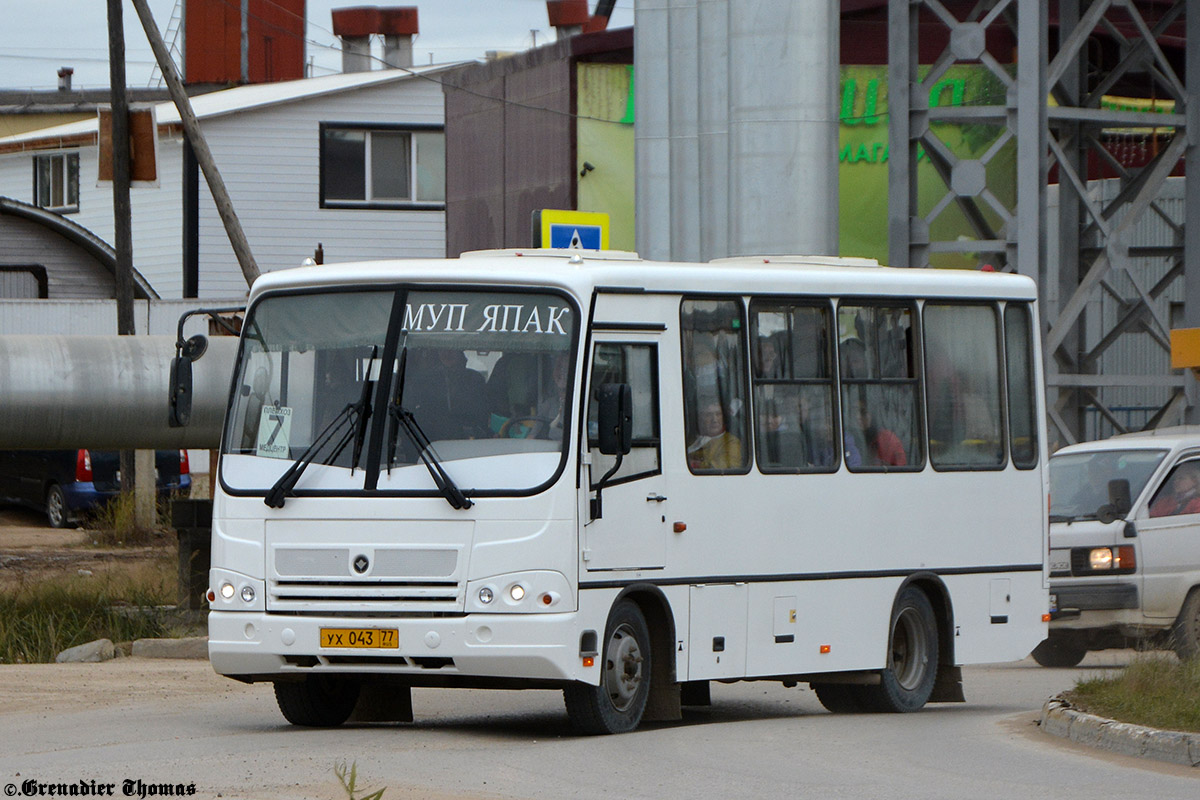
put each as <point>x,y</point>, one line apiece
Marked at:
<point>570,230</point>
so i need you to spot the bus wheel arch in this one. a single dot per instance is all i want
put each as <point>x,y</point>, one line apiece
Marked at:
<point>912,663</point>
<point>639,631</point>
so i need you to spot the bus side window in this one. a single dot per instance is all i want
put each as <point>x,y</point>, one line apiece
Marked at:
<point>793,386</point>
<point>880,388</point>
<point>716,423</point>
<point>636,365</point>
<point>962,379</point>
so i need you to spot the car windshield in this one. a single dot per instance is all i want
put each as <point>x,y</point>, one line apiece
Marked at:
<point>1079,482</point>
<point>402,388</point>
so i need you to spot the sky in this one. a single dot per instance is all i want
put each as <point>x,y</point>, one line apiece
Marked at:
<point>39,36</point>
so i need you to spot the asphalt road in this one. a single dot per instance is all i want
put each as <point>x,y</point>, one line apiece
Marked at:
<point>176,722</point>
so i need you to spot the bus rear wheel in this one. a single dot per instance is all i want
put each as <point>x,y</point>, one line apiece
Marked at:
<point>617,704</point>
<point>907,682</point>
<point>318,701</point>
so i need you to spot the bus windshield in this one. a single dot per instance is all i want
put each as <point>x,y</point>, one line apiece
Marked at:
<point>475,389</point>
<point>1079,482</point>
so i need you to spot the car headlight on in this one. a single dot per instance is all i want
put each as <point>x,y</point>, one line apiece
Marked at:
<point>1120,559</point>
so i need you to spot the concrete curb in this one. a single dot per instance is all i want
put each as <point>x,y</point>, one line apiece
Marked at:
<point>1175,747</point>
<point>190,647</point>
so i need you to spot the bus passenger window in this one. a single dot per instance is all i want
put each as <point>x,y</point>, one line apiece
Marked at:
<point>793,387</point>
<point>879,387</point>
<point>714,387</point>
<point>962,378</point>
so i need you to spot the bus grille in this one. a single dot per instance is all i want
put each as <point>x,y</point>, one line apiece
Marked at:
<point>379,580</point>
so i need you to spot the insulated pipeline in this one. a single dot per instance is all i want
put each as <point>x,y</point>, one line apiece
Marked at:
<point>106,392</point>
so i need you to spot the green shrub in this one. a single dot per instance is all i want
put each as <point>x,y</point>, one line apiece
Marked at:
<point>1154,690</point>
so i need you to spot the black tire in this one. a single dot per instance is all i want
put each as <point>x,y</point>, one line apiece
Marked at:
<point>906,683</point>
<point>617,704</point>
<point>57,513</point>
<point>1185,636</point>
<point>318,701</point>
<point>1059,652</point>
<point>840,698</point>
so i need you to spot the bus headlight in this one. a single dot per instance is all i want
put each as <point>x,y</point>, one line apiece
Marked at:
<point>227,591</point>
<point>247,594</point>
<point>534,591</point>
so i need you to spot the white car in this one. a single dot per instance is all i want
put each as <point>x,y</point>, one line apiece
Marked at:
<point>1125,546</point>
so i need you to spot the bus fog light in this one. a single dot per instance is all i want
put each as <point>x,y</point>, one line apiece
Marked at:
<point>227,591</point>
<point>485,595</point>
<point>517,592</point>
<point>248,594</point>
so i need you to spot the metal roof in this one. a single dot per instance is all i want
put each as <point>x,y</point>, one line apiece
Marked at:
<point>248,98</point>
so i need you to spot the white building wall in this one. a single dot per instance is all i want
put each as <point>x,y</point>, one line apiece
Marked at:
<point>270,160</point>
<point>157,211</point>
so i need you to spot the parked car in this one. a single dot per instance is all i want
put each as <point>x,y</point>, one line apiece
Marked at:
<point>65,483</point>
<point>1125,546</point>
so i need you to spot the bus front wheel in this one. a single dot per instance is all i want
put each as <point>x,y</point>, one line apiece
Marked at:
<point>907,682</point>
<point>318,701</point>
<point>617,704</point>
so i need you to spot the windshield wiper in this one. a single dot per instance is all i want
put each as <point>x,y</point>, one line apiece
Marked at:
<point>355,413</point>
<point>403,419</point>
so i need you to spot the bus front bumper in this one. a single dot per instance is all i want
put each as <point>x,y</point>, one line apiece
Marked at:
<point>261,646</point>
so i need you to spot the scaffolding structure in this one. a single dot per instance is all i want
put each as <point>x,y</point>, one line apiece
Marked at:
<point>1091,176</point>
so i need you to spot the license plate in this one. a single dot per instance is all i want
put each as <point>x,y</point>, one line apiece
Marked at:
<point>376,638</point>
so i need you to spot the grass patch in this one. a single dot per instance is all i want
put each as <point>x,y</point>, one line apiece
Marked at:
<point>40,619</point>
<point>349,777</point>
<point>115,522</point>
<point>1157,691</point>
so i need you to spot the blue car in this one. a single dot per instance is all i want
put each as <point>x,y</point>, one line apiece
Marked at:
<point>65,483</point>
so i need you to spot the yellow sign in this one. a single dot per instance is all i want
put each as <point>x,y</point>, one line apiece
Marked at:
<point>1185,347</point>
<point>571,230</point>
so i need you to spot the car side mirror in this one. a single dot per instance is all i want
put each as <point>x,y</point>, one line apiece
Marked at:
<point>1118,496</point>
<point>614,416</point>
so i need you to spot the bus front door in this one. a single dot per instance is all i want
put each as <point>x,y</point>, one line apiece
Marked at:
<point>627,525</point>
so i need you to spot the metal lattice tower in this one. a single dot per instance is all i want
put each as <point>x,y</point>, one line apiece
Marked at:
<point>1108,298</point>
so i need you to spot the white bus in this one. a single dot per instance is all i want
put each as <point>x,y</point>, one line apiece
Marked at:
<point>626,479</point>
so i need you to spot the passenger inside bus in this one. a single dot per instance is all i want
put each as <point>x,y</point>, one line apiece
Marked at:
<point>882,446</point>
<point>714,447</point>
<point>816,421</point>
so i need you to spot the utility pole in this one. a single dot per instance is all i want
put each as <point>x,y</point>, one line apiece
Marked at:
<point>191,129</point>
<point>123,244</point>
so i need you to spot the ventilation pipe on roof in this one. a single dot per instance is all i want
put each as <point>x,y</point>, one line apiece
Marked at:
<point>355,27</point>
<point>398,26</point>
<point>567,16</point>
<point>64,78</point>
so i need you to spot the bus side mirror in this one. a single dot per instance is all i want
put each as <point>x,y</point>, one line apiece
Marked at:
<point>180,401</point>
<point>614,416</point>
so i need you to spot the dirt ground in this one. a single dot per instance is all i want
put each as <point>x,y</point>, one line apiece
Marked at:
<point>31,550</point>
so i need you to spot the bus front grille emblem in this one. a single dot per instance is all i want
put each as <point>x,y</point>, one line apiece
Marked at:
<point>361,564</point>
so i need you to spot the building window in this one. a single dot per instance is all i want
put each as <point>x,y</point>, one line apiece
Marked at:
<point>376,167</point>
<point>56,182</point>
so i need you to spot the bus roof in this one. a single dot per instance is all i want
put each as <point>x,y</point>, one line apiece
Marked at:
<point>582,272</point>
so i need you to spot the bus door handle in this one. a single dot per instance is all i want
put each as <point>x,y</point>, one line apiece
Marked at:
<point>654,498</point>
